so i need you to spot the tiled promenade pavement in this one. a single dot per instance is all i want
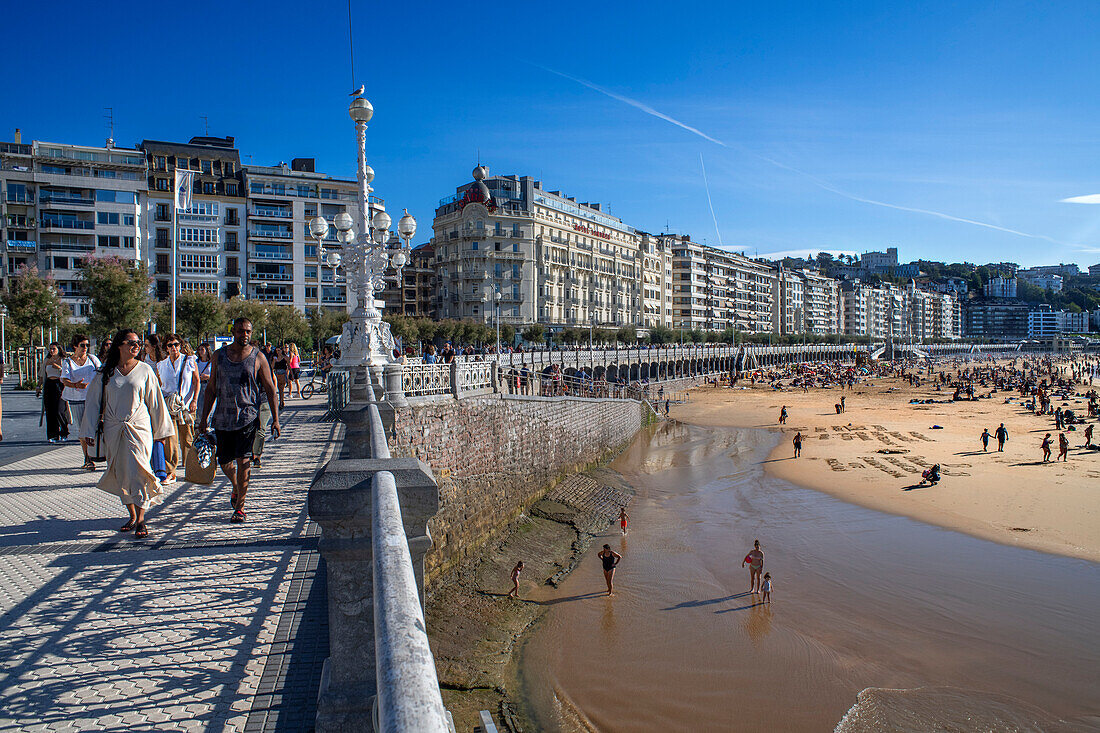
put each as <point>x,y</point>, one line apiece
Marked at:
<point>204,626</point>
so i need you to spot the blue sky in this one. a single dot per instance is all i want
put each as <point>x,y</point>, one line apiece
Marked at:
<point>979,111</point>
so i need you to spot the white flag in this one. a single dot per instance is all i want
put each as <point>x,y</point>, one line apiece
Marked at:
<point>184,182</point>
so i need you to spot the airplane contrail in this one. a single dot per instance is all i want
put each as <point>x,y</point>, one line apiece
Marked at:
<point>810,177</point>
<point>635,103</point>
<point>709,202</point>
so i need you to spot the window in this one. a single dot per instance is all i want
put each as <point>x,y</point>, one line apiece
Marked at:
<point>61,263</point>
<point>196,234</point>
<point>202,208</point>
<point>229,169</point>
<point>104,240</point>
<point>128,219</point>
<point>208,187</point>
<point>162,264</point>
<point>231,189</point>
<point>256,188</point>
<point>160,163</point>
<point>55,169</point>
<point>118,197</point>
<point>162,184</point>
<point>231,267</point>
<point>473,246</point>
<point>209,288</point>
<point>200,263</point>
<point>311,292</point>
<point>231,217</point>
<point>162,213</point>
<point>207,167</point>
<point>128,242</point>
<point>107,217</point>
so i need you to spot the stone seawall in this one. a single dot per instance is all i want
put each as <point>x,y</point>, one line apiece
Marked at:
<point>493,457</point>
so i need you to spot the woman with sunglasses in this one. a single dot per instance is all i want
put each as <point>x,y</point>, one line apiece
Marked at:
<point>127,395</point>
<point>50,389</point>
<point>77,372</point>
<point>179,382</point>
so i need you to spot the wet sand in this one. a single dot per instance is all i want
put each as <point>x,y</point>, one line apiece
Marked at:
<point>1010,497</point>
<point>861,599</point>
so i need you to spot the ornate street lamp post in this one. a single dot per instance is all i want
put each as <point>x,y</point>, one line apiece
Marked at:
<point>366,340</point>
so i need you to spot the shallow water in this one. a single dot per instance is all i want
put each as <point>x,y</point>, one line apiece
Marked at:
<point>951,632</point>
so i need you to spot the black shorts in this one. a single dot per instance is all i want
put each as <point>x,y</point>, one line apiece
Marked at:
<point>295,373</point>
<point>236,444</point>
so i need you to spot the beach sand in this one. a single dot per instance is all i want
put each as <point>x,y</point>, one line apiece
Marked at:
<point>1010,497</point>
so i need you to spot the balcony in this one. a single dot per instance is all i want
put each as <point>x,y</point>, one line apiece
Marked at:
<point>271,213</point>
<point>65,247</point>
<point>272,254</point>
<point>53,200</point>
<point>274,297</point>
<point>335,299</point>
<point>270,234</point>
<point>67,224</point>
<point>257,275</point>
<point>22,244</point>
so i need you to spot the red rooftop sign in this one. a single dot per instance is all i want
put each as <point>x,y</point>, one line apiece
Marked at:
<point>586,230</point>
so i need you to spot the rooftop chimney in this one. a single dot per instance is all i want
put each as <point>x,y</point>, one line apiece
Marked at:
<point>18,135</point>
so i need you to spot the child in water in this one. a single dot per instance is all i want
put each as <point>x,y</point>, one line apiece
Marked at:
<point>766,588</point>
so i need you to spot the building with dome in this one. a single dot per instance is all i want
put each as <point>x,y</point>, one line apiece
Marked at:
<point>543,257</point>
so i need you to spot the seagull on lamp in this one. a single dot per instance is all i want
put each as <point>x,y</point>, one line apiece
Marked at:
<point>358,91</point>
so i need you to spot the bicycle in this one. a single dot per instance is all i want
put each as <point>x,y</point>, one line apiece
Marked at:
<point>317,383</point>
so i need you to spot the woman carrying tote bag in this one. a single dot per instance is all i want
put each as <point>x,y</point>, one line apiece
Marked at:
<point>126,409</point>
<point>77,372</point>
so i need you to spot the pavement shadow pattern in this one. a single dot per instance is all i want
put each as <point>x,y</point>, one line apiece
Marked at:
<point>204,626</point>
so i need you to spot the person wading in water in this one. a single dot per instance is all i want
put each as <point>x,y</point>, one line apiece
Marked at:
<point>610,560</point>
<point>755,561</point>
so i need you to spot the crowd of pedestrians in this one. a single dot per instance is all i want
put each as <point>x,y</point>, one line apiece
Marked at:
<point>138,407</point>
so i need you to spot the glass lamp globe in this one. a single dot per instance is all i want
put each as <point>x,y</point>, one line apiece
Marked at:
<point>370,174</point>
<point>344,222</point>
<point>333,259</point>
<point>398,259</point>
<point>347,236</point>
<point>318,227</point>
<point>406,227</point>
<point>382,221</point>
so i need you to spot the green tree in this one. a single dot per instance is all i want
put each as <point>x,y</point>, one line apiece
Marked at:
<point>199,315</point>
<point>507,333</point>
<point>627,335</point>
<point>254,311</point>
<point>324,324</point>
<point>286,323</point>
<point>662,335</point>
<point>32,301</point>
<point>119,293</point>
<point>534,333</point>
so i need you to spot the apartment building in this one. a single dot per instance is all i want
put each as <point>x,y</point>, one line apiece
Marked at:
<point>63,203</point>
<point>19,212</point>
<point>656,281</point>
<point>210,234</point>
<point>821,303</point>
<point>1000,287</point>
<point>551,259</point>
<point>714,289</point>
<point>1042,278</point>
<point>283,266</point>
<point>414,294</point>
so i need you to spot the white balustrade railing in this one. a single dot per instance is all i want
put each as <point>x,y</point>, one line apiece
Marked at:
<point>422,380</point>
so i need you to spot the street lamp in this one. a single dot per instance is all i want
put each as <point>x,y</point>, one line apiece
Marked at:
<point>365,339</point>
<point>318,227</point>
<point>3,331</point>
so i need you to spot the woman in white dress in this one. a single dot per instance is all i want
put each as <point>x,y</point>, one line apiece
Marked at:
<point>134,415</point>
<point>77,372</point>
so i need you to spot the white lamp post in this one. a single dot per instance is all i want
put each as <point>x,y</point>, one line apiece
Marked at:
<point>366,339</point>
<point>318,227</point>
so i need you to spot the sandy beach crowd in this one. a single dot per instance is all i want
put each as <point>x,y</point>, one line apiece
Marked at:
<point>869,432</point>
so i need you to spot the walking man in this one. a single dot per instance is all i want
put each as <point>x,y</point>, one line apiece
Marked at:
<point>1002,438</point>
<point>236,373</point>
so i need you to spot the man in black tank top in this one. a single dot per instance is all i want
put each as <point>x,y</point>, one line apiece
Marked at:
<point>239,375</point>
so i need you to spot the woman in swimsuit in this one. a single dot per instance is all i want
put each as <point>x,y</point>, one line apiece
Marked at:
<point>610,560</point>
<point>755,560</point>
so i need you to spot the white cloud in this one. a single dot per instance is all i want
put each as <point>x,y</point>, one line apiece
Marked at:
<point>1089,199</point>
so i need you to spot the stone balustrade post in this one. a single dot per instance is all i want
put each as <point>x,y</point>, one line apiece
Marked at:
<point>454,378</point>
<point>494,378</point>
<point>393,375</point>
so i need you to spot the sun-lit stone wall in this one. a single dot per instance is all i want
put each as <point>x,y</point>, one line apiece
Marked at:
<point>493,457</point>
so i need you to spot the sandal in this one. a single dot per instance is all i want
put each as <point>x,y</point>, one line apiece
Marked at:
<point>141,531</point>
<point>238,517</point>
<point>127,527</point>
<point>89,465</point>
